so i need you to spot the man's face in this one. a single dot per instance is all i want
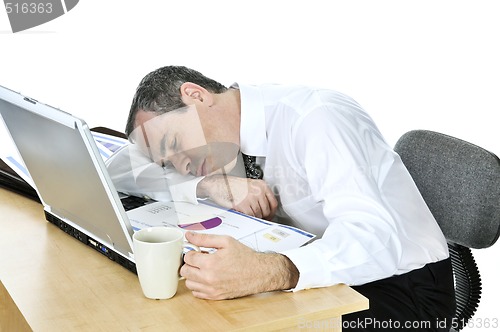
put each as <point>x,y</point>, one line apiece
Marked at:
<point>178,138</point>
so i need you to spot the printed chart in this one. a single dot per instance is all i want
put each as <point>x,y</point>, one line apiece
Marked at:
<point>206,224</point>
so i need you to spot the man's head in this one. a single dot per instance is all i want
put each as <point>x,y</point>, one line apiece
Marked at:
<point>160,91</point>
<point>182,117</point>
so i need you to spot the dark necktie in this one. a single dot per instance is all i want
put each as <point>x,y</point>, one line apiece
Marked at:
<point>253,170</point>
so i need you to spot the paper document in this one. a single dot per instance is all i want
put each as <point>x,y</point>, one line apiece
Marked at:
<point>201,218</point>
<point>258,234</point>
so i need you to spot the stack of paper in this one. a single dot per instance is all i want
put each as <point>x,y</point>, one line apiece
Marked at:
<point>261,235</point>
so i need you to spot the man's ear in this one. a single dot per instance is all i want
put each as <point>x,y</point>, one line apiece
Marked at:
<point>191,93</point>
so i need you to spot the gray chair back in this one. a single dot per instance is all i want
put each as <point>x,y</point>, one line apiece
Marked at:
<point>460,183</point>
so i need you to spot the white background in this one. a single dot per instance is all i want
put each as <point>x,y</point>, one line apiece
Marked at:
<point>411,64</point>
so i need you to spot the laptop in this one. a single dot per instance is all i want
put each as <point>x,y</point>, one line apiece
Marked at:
<point>71,179</point>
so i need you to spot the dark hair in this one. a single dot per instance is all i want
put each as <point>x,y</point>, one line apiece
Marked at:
<point>159,91</point>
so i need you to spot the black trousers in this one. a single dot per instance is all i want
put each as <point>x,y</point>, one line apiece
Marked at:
<point>420,300</point>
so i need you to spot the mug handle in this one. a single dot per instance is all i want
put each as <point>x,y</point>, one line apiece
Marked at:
<point>187,247</point>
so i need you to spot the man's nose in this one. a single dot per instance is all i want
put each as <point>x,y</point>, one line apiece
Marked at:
<point>181,163</point>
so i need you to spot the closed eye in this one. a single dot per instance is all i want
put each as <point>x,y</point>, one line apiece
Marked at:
<point>173,146</point>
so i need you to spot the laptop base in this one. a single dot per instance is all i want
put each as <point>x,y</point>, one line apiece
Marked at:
<point>87,240</point>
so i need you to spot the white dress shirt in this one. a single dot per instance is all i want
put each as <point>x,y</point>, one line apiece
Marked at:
<point>335,176</point>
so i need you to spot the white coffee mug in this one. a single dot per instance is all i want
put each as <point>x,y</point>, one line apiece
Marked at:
<point>158,254</point>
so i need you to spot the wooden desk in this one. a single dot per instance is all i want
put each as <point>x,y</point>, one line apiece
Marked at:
<point>55,283</point>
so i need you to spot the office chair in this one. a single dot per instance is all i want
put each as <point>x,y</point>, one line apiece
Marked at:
<point>460,183</point>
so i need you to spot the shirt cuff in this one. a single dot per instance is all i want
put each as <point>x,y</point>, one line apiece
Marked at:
<point>312,272</point>
<point>185,191</point>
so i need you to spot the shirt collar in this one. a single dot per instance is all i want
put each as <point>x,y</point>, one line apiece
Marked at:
<point>253,136</point>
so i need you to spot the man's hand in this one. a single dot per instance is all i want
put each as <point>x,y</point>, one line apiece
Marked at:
<point>234,270</point>
<point>249,196</point>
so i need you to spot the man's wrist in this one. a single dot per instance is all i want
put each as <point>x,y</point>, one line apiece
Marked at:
<point>216,188</point>
<point>292,272</point>
<point>284,275</point>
